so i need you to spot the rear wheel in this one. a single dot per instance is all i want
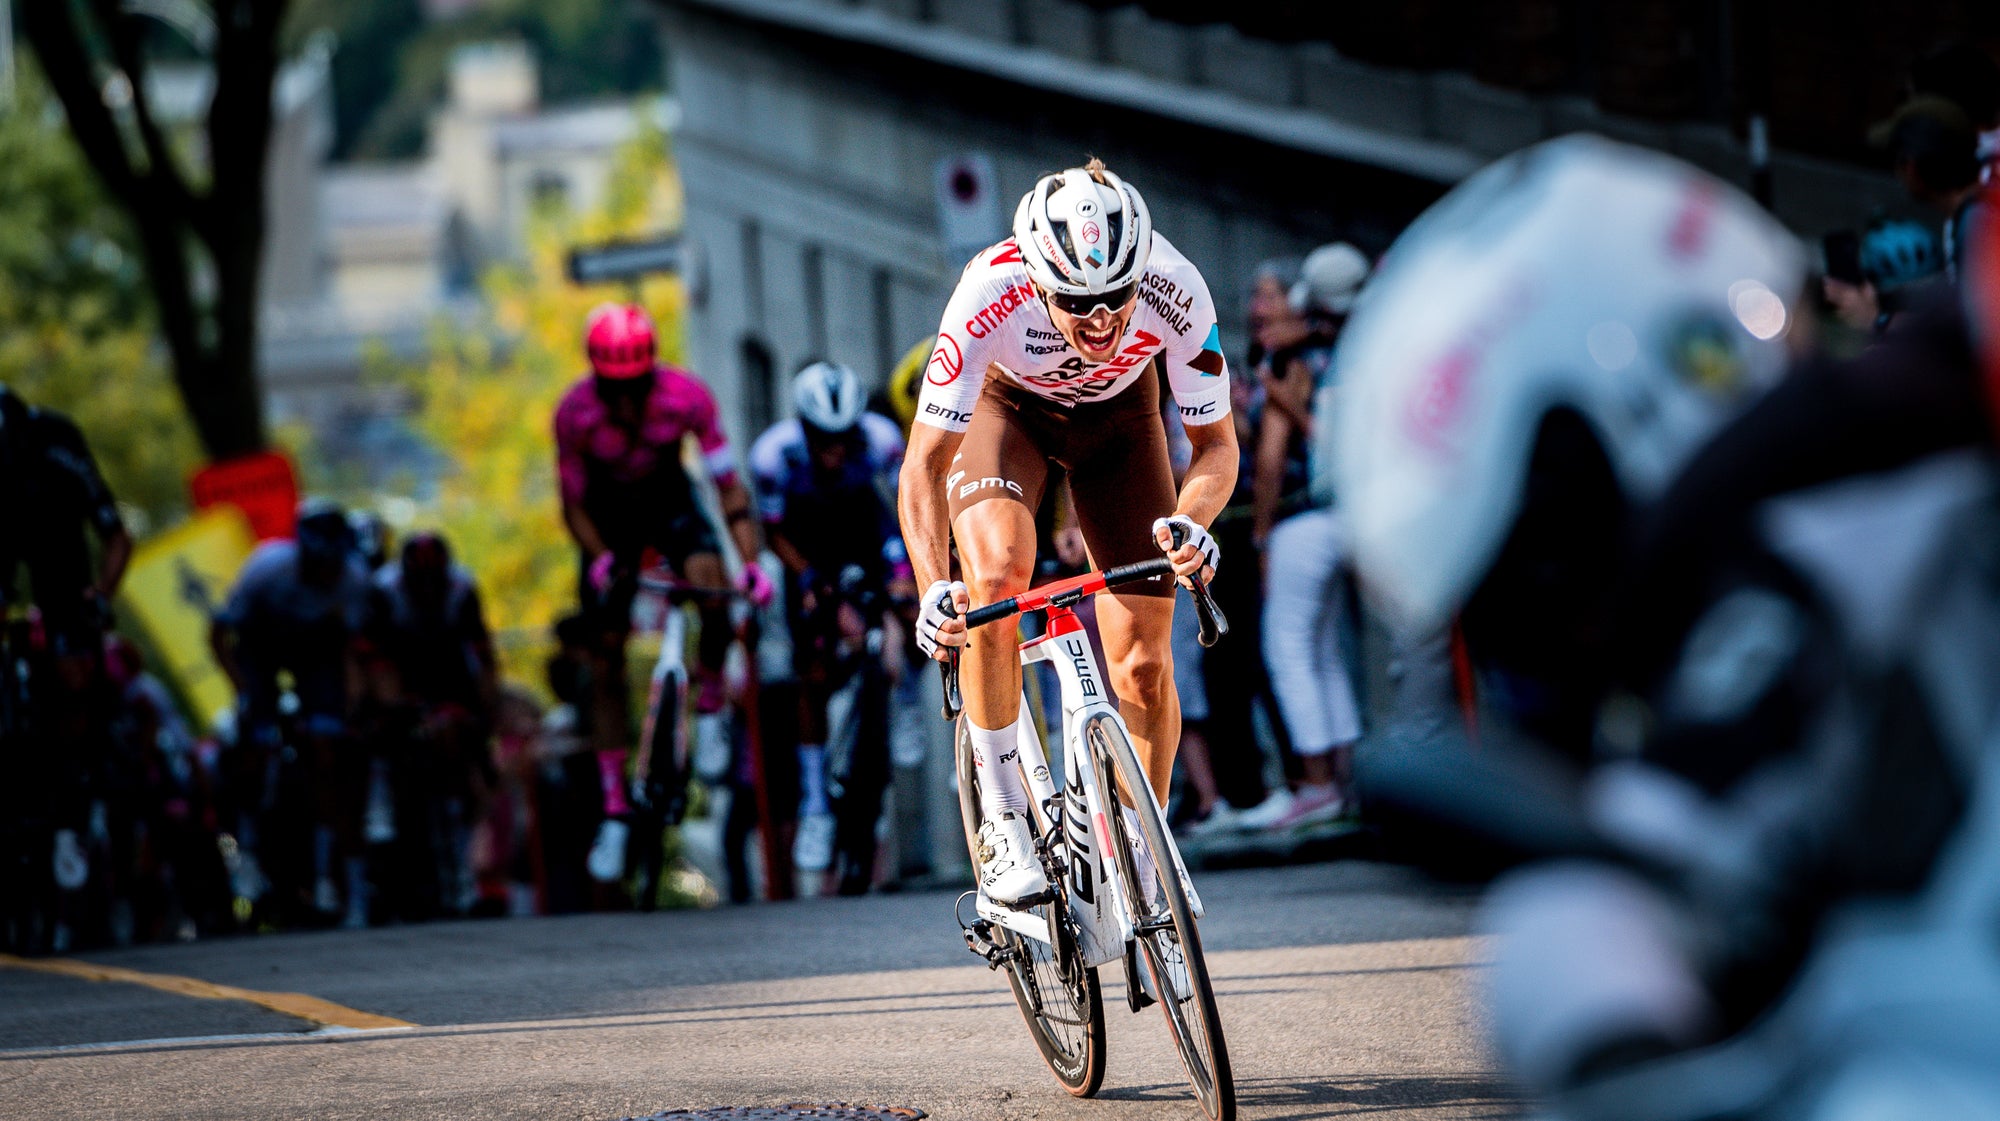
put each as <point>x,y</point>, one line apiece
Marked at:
<point>1169,944</point>
<point>1058,995</point>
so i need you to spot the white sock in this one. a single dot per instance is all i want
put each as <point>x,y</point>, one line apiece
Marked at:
<point>812,779</point>
<point>997,754</point>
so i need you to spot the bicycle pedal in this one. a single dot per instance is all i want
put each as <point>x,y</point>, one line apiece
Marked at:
<point>1030,902</point>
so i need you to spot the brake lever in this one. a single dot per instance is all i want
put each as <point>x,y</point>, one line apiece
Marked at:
<point>954,701</point>
<point>1213,623</point>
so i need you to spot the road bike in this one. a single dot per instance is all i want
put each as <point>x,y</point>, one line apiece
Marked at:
<point>632,841</point>
<point>1112,896</point>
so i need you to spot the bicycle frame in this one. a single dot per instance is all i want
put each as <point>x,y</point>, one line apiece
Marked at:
<point>669,672</point>
<point>1075,816</point>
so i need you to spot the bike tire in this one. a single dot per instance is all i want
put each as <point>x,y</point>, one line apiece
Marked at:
<point>1070,1035</point>
<point>1173,944</point>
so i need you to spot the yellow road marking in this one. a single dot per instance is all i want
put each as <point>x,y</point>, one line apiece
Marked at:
<point>304,1007</point>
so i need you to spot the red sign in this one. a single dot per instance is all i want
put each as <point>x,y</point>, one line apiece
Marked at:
<point>261,484</point>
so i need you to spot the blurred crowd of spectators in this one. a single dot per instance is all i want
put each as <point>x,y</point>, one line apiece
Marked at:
<point>380,770</point>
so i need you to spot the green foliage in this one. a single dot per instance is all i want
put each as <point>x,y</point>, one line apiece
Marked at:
<point>488,397</point>
<point>390,67</point>
<point>76,331</point>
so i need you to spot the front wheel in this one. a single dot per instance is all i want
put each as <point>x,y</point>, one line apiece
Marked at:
<point>1058,995</point>
<point>1164,924</point>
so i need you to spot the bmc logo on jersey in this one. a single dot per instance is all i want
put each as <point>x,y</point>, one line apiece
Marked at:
<point>947,362</point>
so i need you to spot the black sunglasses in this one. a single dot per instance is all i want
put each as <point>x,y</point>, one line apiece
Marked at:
<point>1083,307</point>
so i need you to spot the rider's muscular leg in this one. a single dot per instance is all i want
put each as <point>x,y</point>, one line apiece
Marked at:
<point>996,543</point>
<point>1137,634</point>
<point>704,570</point>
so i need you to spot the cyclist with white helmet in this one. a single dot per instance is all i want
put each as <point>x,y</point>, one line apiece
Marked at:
<point>1044,367</point>
<point>825,483</point>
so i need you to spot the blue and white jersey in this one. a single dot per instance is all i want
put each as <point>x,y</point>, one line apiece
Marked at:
<point>843,517</point>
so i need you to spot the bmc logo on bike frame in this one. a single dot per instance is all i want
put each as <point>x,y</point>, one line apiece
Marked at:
<point>1079,657</point>
<point>1083,876</point>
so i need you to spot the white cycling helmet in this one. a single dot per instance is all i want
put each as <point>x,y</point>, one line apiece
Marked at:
<point>1632,289</point>
<point>1080,237</point>
<point>828,396</point>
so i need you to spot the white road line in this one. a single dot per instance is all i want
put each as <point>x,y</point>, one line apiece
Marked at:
<point>200,1041</point>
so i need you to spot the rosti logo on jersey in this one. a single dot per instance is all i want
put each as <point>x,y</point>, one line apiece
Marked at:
<point>1010,253</point>
<point>1143,345</point>
<point>994,314</point>
<point>947,361</point>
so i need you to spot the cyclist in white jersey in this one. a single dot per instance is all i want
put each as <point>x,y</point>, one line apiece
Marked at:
<point>1046,366</point>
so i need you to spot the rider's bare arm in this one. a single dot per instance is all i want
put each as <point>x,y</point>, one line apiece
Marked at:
<point>582,528</point>
<point>1211,474</point>
<point>793,559</point>
<point>1211,478</point>
<point>920,501</point>
<point>111,568</point>
<point>736,512</point>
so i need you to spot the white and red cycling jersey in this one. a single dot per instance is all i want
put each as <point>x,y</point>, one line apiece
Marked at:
<point>996,321</point>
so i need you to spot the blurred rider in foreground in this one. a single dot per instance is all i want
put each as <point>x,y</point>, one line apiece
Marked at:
<point>1733,758</point>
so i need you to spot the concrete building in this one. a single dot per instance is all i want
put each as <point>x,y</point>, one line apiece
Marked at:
<point>817,134</point>
<point>498,154</point>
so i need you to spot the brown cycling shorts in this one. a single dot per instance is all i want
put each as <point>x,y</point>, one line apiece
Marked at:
<point>1114,452</point>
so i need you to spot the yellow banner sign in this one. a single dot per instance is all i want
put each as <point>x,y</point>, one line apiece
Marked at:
<point>175,585</point>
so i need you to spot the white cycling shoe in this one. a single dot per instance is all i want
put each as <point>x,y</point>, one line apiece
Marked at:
<point>1010,873</point>
<point>812,847</point>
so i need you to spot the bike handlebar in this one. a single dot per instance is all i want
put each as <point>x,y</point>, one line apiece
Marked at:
<point>678,592</point>
<point>1062,593</point>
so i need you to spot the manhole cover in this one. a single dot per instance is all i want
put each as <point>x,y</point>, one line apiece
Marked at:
<point>797,1111</point>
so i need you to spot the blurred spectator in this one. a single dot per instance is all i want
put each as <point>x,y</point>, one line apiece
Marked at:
<point>287,637</point>
<point>433,687</point>
<point>504,856</point>
<point>372,539</point>
<point>174,876</point>
<point>1934,147</point>
<point>1236,681</point>
<point>1966,76</point>
<point>1890,261</point>
<point>1304,542</point>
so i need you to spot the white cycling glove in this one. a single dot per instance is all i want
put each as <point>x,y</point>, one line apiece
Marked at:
<point>1191,534</point>
<point>931,615</point>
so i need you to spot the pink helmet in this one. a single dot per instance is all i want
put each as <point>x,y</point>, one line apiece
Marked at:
<point>619,340</point>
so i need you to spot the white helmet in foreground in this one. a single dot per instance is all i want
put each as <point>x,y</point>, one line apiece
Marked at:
<point>1083,232</point>
<point>1640,294</point>
<point>828,397</point>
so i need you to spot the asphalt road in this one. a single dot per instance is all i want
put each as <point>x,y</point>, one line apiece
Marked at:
<point>1344,990</point>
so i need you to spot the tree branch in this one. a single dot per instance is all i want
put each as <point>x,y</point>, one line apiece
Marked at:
<point>240,115</point>
<point>50,29</point>
<point>163,170</point>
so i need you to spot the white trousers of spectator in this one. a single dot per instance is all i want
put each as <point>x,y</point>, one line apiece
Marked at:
<point>1302,603</point>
